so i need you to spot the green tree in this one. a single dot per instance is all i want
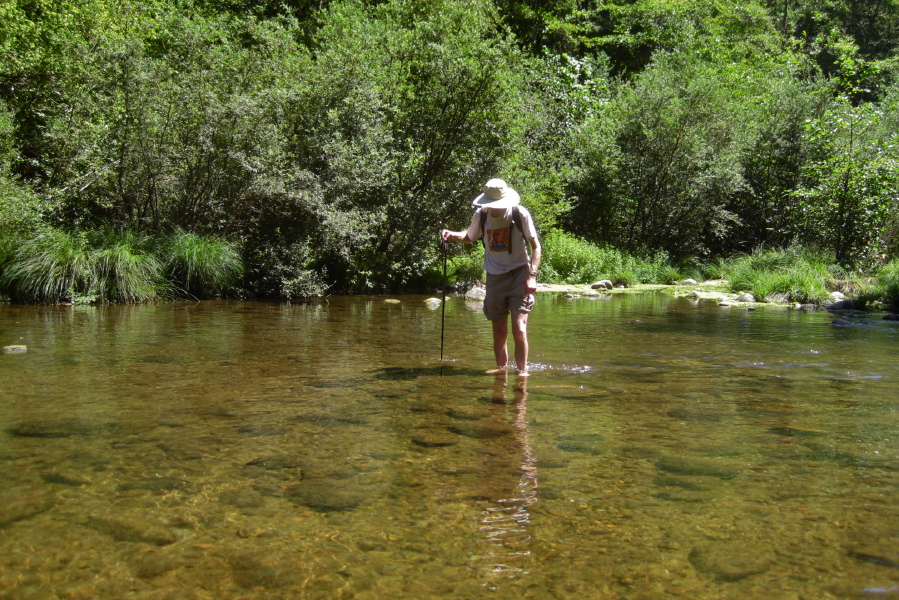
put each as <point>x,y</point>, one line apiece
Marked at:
<point>662,161</point>
<point>850,184</point>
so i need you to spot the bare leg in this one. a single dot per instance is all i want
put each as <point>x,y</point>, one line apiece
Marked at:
<point>520,335</point>
<point>500,336</point>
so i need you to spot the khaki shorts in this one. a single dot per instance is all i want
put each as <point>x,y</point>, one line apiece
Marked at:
<point>505,293</point>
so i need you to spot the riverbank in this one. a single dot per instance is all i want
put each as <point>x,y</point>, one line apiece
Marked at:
<point>714,290</point>
<point>717,289</point>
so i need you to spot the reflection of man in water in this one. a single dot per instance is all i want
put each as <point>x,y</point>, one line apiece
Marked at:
<point>504,523</point>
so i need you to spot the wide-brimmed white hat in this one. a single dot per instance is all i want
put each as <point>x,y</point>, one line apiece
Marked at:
<point>497,195</point>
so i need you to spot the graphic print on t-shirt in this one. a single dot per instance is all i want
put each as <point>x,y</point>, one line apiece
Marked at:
<point>498,239</point>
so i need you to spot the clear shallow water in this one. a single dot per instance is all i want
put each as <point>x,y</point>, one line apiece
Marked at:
<point>661,449</point>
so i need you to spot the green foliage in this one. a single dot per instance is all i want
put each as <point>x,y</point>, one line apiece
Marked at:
<point>660,162</point>
<point>466,267</point>
<point>632,34</point>
<point>125,269</point>
<point>888,281</point>
<point>792,274</point>
<point>330,141</point>
<point>882,289</point>
<point>50,267</point>
<point>568,259</point>
<point>201,266</point>
<point>850,183</point>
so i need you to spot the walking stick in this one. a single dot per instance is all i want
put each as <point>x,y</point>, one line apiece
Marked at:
<point>444,247</point>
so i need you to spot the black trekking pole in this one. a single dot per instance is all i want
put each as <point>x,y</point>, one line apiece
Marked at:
<point>444,247</point>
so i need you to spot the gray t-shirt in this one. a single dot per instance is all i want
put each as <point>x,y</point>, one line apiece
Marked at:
<point>497,258</point>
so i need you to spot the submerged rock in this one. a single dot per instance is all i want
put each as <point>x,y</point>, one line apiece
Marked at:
<point>154,484</point>
<point>481,432</point>
<point>61,478</point>
<point>122,530</point>
<point>23,502</point>
<point>326,495</point>
<point>276,462</point>
<point>581,443</point>
<point>695,465</point>
<point>15,348</point>
<point>730,560</point>
<point>434,439</point>
<point>60,428</point>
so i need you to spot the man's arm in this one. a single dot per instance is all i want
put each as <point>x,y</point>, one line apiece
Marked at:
<point>455,236</point>
<point>536,257</point>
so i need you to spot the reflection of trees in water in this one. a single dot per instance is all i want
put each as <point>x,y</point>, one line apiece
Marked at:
<point>512,473</point>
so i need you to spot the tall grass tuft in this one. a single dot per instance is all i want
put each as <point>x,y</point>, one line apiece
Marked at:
<point>51,266</point>
<point>126,269</point>
<point>887,284</point>
<point>201,266</point>
<point>792,274</point>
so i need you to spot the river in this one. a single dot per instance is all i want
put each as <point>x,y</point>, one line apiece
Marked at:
<point>662,448</point>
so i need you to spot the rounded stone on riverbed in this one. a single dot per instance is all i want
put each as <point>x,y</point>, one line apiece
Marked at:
<point>581,443</point>
<point>698,465</point>
<point>433,302</point>
<point>434,439</point>
<point>324,495</point>
<point>891,317</point>
<point>476,293</point>
<point>15,348</point>
<point>21,502</point>
<point>392,301</point>
<point>731,560</point>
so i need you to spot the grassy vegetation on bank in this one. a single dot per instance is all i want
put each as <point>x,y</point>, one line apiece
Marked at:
<point>52,266</point>
<point>791,274</point>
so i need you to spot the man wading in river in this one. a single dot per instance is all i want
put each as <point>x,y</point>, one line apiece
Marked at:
<point>504,225</point>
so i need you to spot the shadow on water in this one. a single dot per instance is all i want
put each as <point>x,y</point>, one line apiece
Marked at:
<point>409,373</point>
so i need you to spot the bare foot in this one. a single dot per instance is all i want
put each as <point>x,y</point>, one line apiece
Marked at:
<point>496,371</point>
<point>524,374</point>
